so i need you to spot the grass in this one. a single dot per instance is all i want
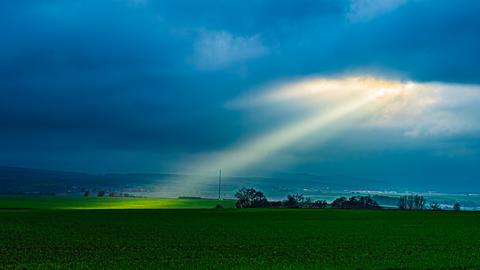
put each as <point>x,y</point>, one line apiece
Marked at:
<point>71,202</point>
<point>238,239</point>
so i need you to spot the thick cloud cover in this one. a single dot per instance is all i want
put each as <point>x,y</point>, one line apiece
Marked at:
<point>143,85</point>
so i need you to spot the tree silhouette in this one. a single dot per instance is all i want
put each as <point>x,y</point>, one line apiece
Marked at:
<point>411,202</point>
<point>250,198</point>
<point>435,206</point>
<point>358,202</point>
<point>295,201</point>
<point>457,206</point>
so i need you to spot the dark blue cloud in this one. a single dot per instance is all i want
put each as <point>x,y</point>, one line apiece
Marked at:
<point>107,76</point>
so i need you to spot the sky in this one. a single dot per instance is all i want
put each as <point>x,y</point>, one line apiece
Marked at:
<point>379,89</point>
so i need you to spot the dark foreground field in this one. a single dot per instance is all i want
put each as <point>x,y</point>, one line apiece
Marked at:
<point>230,238</point>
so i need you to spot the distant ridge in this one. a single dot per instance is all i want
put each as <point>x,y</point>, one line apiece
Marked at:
<point>30,180</point>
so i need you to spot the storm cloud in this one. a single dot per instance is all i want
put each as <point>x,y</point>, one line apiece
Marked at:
<point>124,85</point>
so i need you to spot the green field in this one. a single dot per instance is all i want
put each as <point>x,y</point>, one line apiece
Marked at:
<point>238,239</point>
<point>72,202</point>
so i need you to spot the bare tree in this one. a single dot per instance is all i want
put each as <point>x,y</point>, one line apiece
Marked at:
<point>457,207</point>
<point>435,206</point>
<point>419,202</point>
<point>403,203</point>
<point>295,201</point>
<point>250,198</point>
<point>411,202</point>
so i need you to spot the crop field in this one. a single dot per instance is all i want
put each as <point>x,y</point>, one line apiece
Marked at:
<point>238,239</point>
<point>72,202</point>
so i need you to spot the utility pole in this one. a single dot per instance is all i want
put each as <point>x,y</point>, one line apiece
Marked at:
<point>219,184</point>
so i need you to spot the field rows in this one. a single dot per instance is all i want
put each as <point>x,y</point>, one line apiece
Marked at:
<point>238,238</point>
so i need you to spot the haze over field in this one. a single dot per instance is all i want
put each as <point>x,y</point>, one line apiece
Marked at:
<point>381,91</point>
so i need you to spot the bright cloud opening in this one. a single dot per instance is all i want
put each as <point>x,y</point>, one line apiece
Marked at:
<point>336,103</point>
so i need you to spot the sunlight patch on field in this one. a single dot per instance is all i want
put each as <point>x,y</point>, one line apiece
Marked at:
<point>71,202</point>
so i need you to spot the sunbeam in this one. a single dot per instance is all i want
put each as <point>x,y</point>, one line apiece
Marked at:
<point>348,98</point>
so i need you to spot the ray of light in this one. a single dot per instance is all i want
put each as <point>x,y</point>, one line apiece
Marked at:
<point>363,92</point>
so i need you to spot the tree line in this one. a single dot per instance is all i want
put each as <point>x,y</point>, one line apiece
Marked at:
<point>417,202</point>
<point>251,198</point>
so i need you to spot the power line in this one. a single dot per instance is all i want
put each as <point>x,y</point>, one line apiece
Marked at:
<point>219,184</point>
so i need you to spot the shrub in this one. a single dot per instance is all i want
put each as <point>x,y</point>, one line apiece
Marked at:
<point>340,203</point>
<point>435,206</point>
<point>318,204</point>
<point>358,202</point>
<point>275,204</point>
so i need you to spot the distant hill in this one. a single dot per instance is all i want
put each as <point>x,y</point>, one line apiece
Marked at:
<point>27,180</point>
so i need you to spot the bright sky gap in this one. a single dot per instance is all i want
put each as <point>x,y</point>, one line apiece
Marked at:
<point>356,94</point>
